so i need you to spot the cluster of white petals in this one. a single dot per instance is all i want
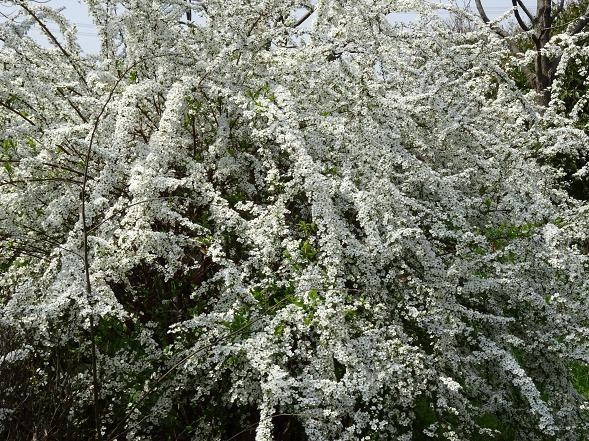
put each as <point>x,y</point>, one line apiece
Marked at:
<point>335,231</point>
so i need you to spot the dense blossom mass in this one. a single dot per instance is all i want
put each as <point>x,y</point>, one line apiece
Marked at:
<point>285,220</point>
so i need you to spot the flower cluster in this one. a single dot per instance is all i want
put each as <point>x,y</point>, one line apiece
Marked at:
<point>241,227</point>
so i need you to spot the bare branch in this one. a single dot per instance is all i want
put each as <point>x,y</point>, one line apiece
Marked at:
<point>67,152</point>
<point>6,106</point>
<point>485,18</point>
<point>527,11</point>
<point>189,11</point>
<point>518,17</point>
<point>304,18</point>
<point>482,12</point>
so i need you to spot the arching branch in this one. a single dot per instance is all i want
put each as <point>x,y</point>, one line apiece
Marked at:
<point>518,17</point>
<point>486,19</point>
<point>526,11</point>
<point>481,11</point>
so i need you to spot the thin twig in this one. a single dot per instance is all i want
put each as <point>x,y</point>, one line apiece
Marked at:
<point>55,41</point>
<point>95,385</point>
<point>82,117</point>
<point>6,106</point>
<point>85,231</point>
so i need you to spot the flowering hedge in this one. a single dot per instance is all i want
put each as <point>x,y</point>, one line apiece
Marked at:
<point>240,227</point>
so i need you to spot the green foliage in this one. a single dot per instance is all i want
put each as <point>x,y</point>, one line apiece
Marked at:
<point>580,377</point>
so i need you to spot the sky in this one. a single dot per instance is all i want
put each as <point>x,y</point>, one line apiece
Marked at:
<point>76,11</point>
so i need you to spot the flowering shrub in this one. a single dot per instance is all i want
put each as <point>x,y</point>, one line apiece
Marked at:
<point>244,228</point>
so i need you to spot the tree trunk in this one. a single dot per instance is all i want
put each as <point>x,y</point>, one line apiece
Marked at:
<point>541,36</point>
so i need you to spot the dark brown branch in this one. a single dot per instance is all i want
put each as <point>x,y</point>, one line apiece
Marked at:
<point>25,181</point>
<point>251,427</point>
<point>156,106</point>
<point>189,11</point>
<point>55,41</point>
<point>304,18</point>
<point>74,91</point>
<point>85,247</point>
<point>248,33</point>
<point>49,164</point>
<point>530,76</point>
<point>485,18</point>
<point>77,154</point>
<point>31,251</point>
<point>518,17</point>
<point>527,11</point>
<point>82,117</point>
<point>139,131</point>
<point>147,117</point>
<point>20,100</point>
<point>482,12</point>
<point>63,167</point>
<point>6,106</point>
<point>114,435</point>
<point>194,137</point>
<point>123,210</point>
<point>95,384</point>
<point>44,237</point>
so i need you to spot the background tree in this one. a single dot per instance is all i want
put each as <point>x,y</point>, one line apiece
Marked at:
<point>548,20</point>
<point>550,54</point>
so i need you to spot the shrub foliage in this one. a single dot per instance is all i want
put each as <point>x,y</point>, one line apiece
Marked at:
<point>247,227</point>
